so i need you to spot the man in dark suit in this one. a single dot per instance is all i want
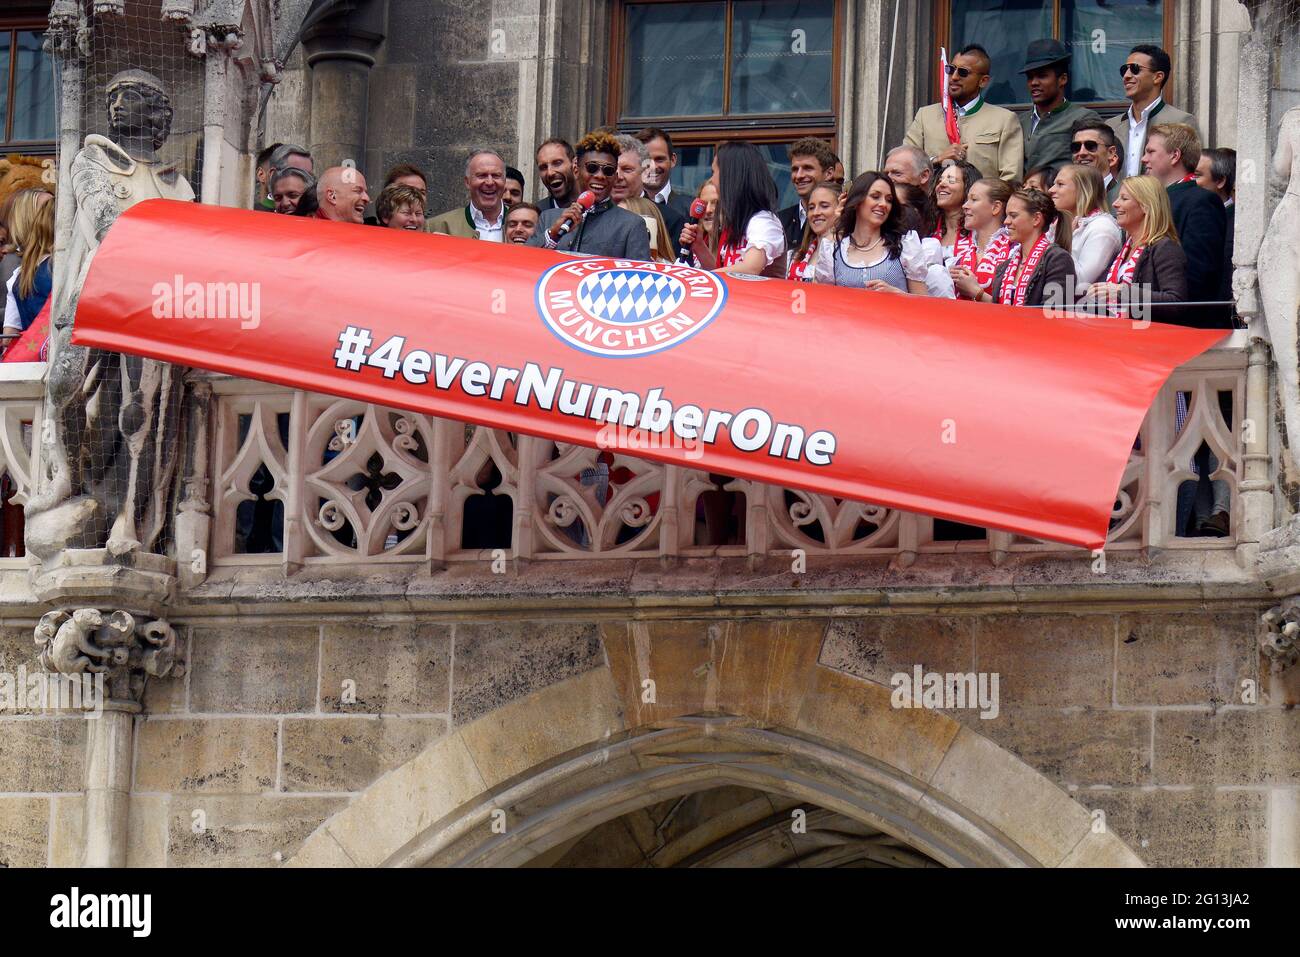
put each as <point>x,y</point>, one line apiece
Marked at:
<point>1217,172</point>
<point>674,206</point>
<point>607,229</point>
<point>1172,152</point>
<point>811,161</point>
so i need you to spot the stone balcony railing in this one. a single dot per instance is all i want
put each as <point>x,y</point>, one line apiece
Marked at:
<point>299,479</point>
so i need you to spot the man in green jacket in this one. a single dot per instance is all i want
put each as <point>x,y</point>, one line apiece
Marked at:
<point>1047,126</point>
<point>484,216</point>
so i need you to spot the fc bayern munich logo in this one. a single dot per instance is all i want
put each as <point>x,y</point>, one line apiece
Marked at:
<point>618,307</point>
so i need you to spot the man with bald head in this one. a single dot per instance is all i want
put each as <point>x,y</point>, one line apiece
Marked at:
<point>341,195</point>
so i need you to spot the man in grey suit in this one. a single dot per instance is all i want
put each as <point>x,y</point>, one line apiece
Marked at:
<point>1145,75</point>
<point>607,229</point>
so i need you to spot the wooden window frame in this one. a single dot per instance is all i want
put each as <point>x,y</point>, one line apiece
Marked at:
<point>704,129</point>
<point>943,38</point>
<point>34,17</point>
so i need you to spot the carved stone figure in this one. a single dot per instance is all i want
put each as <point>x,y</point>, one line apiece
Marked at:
<point>67,647</point>
<point>125,650</point>
<point>111,421</point>
<point>1279,278</point>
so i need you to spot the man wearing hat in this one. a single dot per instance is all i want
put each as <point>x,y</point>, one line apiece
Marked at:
<point>1047,126</point>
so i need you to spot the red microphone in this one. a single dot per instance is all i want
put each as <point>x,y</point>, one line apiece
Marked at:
<point>699,209</point>
<point>586,199</point>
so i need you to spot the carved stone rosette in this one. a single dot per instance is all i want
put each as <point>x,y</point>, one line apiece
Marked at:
<point>1279,636</point>
<point>126,650</point>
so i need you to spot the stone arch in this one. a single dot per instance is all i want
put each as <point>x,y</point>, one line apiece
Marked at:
<point>762,713</point>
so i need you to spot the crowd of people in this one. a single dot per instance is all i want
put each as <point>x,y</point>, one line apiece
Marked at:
<point>1054,206</point>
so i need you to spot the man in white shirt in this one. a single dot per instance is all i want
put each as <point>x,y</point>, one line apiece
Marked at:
<point>674,207</point>
<point>484,216</point>
<point>1145,74</point>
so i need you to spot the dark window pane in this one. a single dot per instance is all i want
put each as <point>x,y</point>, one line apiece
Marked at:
<point>1004,28</point>
<point>694,166</point>
<point>4,81</point>
<point>1100,33</point>
<point>781,56</point>
<point>33,104</point>
<point>778,164</point>
<point>675,59</point>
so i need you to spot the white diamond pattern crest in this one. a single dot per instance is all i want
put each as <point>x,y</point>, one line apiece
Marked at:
<point>630,295</point>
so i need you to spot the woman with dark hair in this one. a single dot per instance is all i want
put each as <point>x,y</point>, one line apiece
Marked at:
<point>1040,178</point>
<point>950,192</point>
<point>917,210</point>
<point>1038,266</point>
<point>867,251</point>
<point>751,240</point>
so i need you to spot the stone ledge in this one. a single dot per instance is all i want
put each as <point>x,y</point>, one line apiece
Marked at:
<point>731,585</point>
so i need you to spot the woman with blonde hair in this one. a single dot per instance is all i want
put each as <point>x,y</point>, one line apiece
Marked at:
<point>31,224</point>
<point>985,210</point>
<point>661,247</point>
<point>1081,192</point>
<point>1151,260</point>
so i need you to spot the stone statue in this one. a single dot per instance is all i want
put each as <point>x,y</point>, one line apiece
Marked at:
<point>110,436</point>
<point>1279,272</point>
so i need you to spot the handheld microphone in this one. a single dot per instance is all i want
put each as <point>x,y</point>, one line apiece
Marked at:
<point>586,200</point>
<point>699,209</point>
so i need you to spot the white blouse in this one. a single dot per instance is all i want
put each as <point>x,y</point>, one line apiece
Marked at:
<point>763,231</point>
<point>1094,245</point>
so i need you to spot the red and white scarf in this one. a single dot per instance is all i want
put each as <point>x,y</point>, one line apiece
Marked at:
<point>1012,293</point>
<point>964,237</point>
<point>799,268</point>
<point>1121,270</point>
<point>728,253</point>
<point>984,267</point>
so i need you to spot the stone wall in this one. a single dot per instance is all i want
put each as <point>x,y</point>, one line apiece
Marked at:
<point>1136,714</point>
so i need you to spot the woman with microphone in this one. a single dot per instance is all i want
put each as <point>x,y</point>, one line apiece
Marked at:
<point>751,240</point>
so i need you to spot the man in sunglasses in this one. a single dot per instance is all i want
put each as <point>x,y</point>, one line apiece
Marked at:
<point>1095,144</point>
<point>1145,74</point>
<point>1047,126</point>
<point>990,136</point>
<point>605,230</point>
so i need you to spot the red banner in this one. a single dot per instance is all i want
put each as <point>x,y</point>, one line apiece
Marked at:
<point>996,416</point>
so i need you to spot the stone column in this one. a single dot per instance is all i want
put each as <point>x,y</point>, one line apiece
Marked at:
<point>887,52</point>
<point>122,651</point>
<point>340,51</point>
